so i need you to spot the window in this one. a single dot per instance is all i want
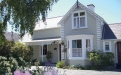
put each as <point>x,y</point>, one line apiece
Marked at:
<point>44,50</point>
<point>77,48</point>
<point>88,44</point>
<point>107,46</point>
<point>79,20</point>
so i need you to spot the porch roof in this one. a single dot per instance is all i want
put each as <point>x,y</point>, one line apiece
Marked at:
<point>42,41</point>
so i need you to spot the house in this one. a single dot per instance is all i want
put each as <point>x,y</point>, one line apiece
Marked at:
<point>81,29</point>
<point>9,36</point>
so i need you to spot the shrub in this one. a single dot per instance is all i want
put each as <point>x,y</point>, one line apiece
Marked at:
<point>5,48</point>
<point>21,50</point>
<point>7,65</point>
<point>49,55</point>
<point>100,58</point>
<point>61,64</point>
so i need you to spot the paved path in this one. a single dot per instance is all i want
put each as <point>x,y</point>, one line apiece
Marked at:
<point>81,72</point>
<point>91,72</point>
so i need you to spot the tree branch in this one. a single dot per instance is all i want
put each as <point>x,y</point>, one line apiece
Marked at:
<point>2,3</point>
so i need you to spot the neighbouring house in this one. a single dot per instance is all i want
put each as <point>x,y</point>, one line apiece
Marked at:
<point>81,29</point>
<point>12,37</point>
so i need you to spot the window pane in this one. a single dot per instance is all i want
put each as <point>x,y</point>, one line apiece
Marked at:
<point>75,14</point>
<point>106,47</point>
<point>77,52</point>
<point>82,22</point>
<point>44,49</point>
<point>73,43</point>
<point>79,44</point>
<point>75,22</point>
<point>82,13</point>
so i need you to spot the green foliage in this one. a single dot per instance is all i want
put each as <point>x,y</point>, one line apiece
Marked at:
<point>61,64</point>
<point>49,55</point>
<point>21,50</point>
<point>100,58</point>
<point>23,14</point>
<point>5,48</point>
<point>7,65</point>
<point>2,37</point>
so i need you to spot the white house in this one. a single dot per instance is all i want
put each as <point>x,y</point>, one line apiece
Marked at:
<point>81,29</point>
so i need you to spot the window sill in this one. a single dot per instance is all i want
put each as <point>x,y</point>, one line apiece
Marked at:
<point>108,51</point>
<point>80,28</point>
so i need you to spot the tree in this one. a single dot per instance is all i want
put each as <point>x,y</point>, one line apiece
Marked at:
<point>23,14</point>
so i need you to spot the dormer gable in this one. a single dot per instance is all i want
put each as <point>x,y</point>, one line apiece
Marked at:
<point>77,8</point>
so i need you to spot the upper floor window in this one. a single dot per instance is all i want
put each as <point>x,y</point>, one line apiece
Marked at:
<point>79,20</point>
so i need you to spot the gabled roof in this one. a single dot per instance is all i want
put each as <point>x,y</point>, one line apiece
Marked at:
<point>111,31</point>
<point>50,23</point>
<point>81,6</point>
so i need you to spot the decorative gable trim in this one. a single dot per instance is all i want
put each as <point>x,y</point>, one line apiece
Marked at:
<point>83,7</point>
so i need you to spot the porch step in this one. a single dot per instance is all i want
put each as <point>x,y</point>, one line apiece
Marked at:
<point>118,66</point>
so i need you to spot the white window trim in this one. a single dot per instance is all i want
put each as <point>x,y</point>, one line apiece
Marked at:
<point>79,21</point>
<point>83,38</point>
<point>110,49</point>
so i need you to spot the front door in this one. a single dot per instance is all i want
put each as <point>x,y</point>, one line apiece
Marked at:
<point>119,51</point>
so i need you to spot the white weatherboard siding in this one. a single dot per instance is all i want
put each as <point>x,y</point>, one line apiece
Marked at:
<point>36,52</point>
<point>55,54</point>
<point>55,32</point>
<point>91,28</point>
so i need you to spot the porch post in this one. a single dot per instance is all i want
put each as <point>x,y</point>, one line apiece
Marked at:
<point>42,51</point>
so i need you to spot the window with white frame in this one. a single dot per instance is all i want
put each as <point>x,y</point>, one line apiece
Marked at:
<point>107,46</point>
<point>79,20</point>
<point>77,48</point>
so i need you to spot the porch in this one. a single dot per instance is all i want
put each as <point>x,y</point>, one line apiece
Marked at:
<point>41,47</point>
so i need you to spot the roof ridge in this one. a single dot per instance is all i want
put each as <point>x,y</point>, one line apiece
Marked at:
<point>114,23</point>
<point>54,17</point>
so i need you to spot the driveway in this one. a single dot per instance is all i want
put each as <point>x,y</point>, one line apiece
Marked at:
<point>92,72</point>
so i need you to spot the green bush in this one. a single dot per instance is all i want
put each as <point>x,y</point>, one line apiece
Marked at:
<point>49,55</point>
<point>5,48</point>
<point>61,64</point>
<point>7,65</point>
<point>100,58</point>
<point>16,50</point>
<point>21,50</point>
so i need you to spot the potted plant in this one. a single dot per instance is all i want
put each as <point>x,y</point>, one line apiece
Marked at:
<point>49,55</point>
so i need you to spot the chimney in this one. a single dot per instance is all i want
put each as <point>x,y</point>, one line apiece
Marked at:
<point>91,7</point>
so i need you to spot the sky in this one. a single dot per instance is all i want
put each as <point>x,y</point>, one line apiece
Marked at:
<point>109,10</point>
